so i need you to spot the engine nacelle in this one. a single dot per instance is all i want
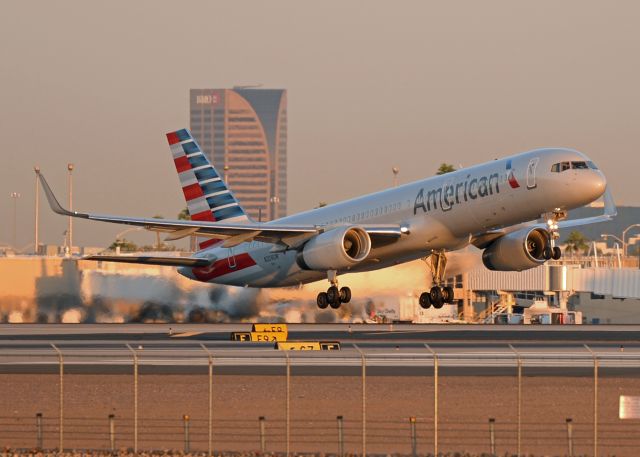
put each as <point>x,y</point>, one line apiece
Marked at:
<point>517,251</point>
<point>335,249</point>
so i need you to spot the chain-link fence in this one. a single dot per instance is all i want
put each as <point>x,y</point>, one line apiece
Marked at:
<point>418,400</point>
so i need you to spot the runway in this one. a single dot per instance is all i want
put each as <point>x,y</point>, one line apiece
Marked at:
<point>386,349</point>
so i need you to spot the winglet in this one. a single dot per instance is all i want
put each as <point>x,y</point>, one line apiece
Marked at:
<point>609,205</point>
<point>53,201</point>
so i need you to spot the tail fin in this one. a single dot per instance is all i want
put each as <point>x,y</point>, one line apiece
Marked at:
<point>207,195</point>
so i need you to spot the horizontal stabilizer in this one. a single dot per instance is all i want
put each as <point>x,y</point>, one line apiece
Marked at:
<point>151,260</point>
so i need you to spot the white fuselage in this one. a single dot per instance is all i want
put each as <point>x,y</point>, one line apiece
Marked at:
<point>440,212</point>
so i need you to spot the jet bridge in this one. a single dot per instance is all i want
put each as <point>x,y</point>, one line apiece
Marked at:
<point>553,283</point>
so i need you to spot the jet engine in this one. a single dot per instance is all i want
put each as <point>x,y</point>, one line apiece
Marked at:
<point>335,249</point>
<point>517,251</point>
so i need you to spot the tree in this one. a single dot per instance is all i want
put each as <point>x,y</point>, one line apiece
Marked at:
<point>124,245</point>
<point>576,242</point>
<point>445,168</point>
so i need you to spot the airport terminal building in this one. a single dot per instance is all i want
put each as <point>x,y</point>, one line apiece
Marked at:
<point>244,133</point>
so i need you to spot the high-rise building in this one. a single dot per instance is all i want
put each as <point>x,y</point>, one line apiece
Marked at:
<point>244,133</point>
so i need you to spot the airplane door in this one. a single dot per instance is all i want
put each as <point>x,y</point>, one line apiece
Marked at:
<point>531,173</point>
<point>231,259</point>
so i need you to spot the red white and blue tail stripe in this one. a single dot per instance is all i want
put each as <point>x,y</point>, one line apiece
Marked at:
<point>207,195</point>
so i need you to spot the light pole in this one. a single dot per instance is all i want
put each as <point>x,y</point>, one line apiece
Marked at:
<point>604,236</point>
<point>395,171</point>
<point>15,196</point>
<point>36,241</point>
<point>624,236</point>
<point>70,185</point>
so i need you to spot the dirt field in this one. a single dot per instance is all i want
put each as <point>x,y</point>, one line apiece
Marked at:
<point>465,406</point>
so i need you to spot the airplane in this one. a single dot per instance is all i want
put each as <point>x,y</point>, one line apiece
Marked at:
<point>510,208</point>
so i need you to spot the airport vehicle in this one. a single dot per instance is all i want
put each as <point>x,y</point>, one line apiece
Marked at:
<point>510,208</point>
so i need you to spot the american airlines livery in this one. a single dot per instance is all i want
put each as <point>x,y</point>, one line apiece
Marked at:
<point>510,208</point>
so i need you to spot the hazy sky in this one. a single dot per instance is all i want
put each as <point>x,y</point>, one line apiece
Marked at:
<point>371,85</point>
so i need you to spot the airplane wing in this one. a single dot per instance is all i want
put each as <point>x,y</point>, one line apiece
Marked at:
<point>290,236</point>
<point>482,240</point>
<point>153,260</point>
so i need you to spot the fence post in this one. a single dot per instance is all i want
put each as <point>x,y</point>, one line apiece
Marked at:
<point>492,436</point>
<point>185,421</point>
<point>435,400</point>
<point>414,444</point>
<point>61,400</point>
<point>340,437</point>
<point>263,440</point>
<point>135,399</point>
<point>595,401</point>
<point>288,411</point>
<point>210,432</point>
<point>39,431</point>
<point>364,401</point>
<point>519,432</point>
<point>570,436</point>
<point>112,432</point>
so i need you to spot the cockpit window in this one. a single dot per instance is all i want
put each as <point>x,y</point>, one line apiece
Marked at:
<point>560,167</point>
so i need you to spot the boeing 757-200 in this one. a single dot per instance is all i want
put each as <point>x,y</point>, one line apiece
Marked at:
<point>510,208</point>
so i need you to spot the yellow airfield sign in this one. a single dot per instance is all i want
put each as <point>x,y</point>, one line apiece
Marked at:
<point>268,336</point>
<point>262,337</point>
<point>308,346</point>
<point>280,328</point>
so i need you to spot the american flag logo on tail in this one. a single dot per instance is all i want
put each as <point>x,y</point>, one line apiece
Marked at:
<point>207,195</point>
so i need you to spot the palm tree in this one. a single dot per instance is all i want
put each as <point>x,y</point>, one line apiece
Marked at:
<point>576,242</point>
<point>445,168</point>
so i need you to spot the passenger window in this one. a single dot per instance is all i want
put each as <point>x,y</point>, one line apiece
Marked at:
<point>579,165</point>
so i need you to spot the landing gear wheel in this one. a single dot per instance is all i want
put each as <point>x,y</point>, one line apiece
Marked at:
<point>447,294</point>
<point>333,295</point>
<point>322,300</point>
<point>335,305</point>
<point>345,295</point>
<point>425,300</point>
<point>548,253</point>
<point>435,294</point>
<point>557,253</point>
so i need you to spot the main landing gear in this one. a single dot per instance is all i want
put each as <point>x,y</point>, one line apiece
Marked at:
<point>333,297</point>
<point>438,295</point>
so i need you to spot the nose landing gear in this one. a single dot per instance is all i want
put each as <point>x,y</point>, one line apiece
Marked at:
<point>333,297</point>
<point>552,251</point>
<point>438,295</point>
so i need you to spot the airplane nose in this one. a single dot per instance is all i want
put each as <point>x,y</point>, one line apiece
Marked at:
<point>596,185</point>
<point>599,183</point>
